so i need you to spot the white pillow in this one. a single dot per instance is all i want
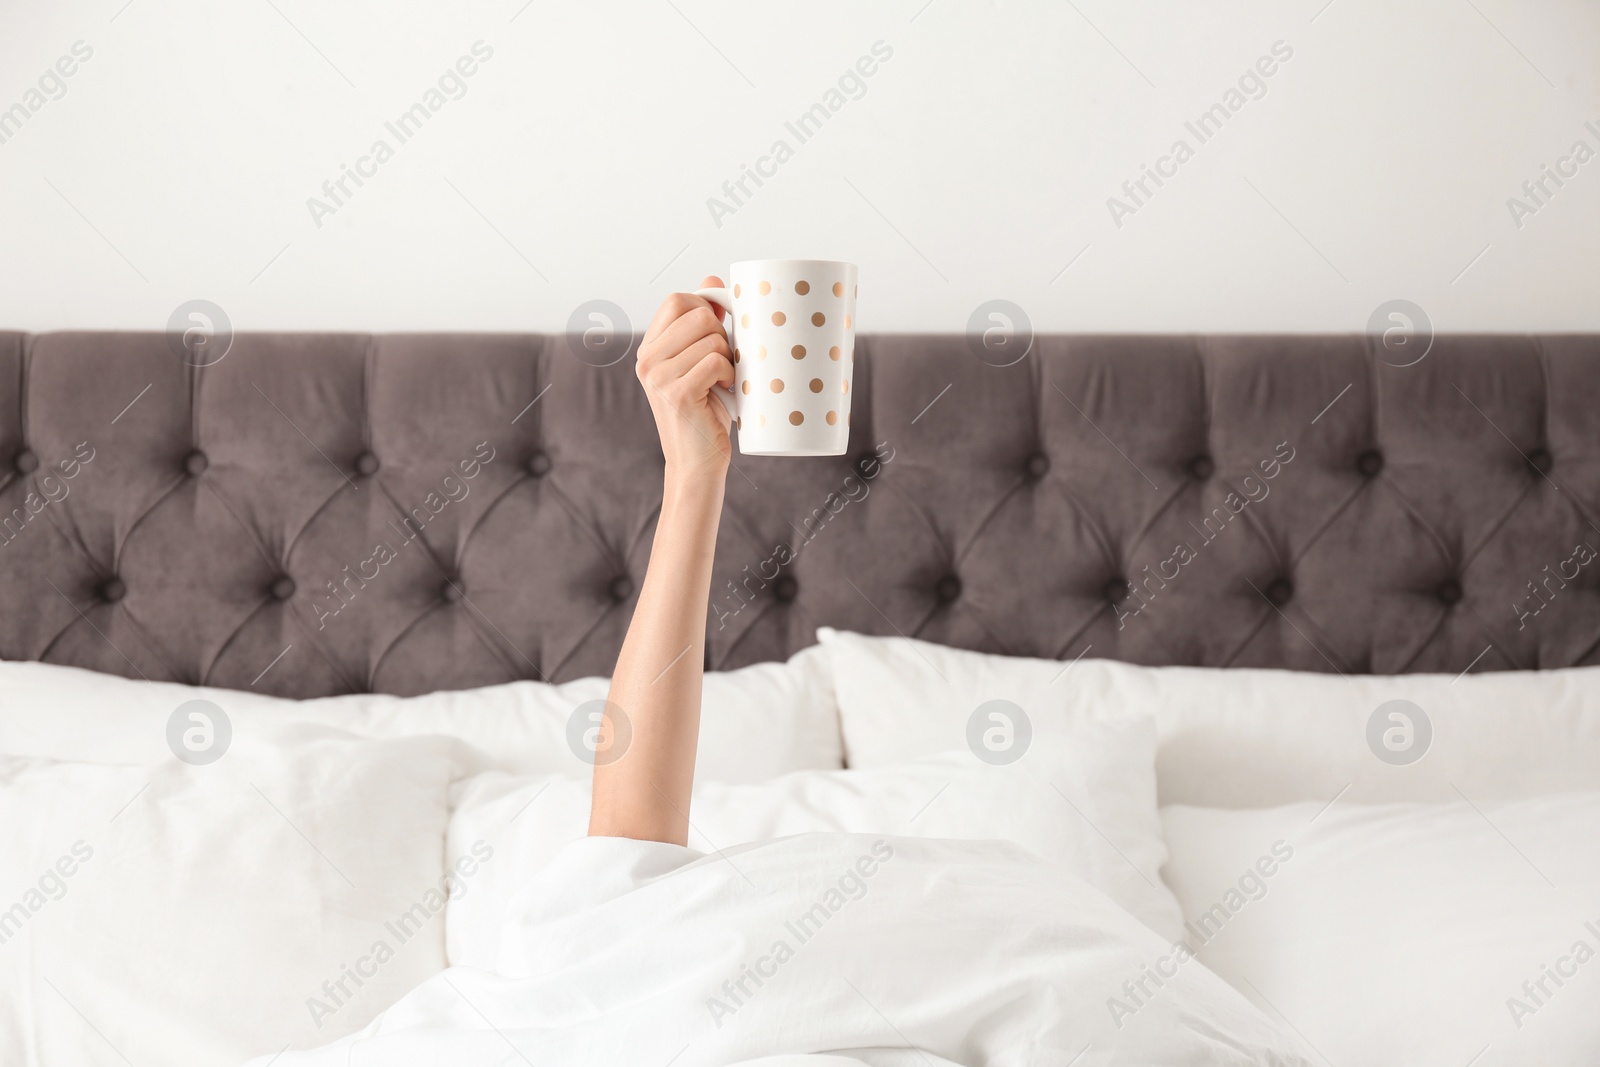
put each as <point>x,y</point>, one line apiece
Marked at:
<point>900,699</point>
<point>175,914</point>
<point>1235,737</point>
<point>756,722</point>
<point>1092,813</point>
<point>1404,934</point>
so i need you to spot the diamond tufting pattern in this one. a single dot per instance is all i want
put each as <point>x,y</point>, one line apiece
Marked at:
<point>327,513</point>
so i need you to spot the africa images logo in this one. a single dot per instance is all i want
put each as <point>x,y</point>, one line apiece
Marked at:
<point>1399,732</point>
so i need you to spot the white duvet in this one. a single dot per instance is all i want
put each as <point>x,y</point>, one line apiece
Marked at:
<point>874,950</point>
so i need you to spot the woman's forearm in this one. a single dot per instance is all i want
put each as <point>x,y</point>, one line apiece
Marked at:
<point>644,793</point>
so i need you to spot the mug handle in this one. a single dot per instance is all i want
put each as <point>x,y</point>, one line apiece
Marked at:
<point>723,299</point>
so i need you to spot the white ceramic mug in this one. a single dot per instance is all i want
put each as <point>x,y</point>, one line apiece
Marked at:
<point>791,325</point>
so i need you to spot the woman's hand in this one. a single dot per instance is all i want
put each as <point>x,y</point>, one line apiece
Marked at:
<point>685,353</point>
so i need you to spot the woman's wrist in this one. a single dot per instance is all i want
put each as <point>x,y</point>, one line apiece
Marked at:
<point>696,485</point>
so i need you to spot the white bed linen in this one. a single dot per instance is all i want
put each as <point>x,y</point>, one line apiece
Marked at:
<point>1406,935</point>
<point>1235,737</point>
<point>635,952</point>
<point>1092,813</point>
<point>756,722</point>
<point>190,916</point>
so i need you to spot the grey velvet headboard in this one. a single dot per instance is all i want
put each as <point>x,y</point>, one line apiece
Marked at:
<point>1433,517</point>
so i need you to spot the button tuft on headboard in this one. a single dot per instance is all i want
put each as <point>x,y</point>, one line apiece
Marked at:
<point>1016,512</point>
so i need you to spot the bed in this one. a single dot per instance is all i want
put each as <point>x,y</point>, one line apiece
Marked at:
<point>1257,542</point>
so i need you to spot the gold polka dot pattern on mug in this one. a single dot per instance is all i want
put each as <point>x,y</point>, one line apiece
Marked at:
<point>800,352</point>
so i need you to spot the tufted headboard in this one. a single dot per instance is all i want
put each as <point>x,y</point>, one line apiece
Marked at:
<point>327,513</point>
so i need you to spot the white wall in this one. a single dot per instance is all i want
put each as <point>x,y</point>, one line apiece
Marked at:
<point>977,164</point>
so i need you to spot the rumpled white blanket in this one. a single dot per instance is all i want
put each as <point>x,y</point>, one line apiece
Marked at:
<point>877,951</point>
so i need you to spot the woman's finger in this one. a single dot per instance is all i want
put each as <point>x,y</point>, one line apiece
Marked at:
<point>689,329</point>
<point>711,281</point>
<point>684,362</point>
<point>713,368</point>
<point>676,305</point>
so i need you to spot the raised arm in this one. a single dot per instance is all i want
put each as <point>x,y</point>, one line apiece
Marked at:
<point>644,793</point>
